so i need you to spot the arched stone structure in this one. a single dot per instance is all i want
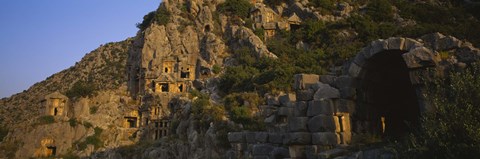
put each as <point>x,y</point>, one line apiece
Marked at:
<point>385,76</point>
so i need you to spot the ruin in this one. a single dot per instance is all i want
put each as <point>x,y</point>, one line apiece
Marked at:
<point>268,20</point>
<point>56,104</point>
<point>47,148</point>
<point>162,128</point>
<point>380,92</point>
<point>155,82</point>
<point>130,120</point>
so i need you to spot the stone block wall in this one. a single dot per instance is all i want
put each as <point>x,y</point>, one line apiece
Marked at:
<point>304,124</point>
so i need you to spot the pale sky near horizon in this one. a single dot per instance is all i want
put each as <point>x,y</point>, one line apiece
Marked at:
<point>41,37</point>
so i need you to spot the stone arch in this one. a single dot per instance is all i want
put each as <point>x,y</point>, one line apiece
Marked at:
<point>386,78</point>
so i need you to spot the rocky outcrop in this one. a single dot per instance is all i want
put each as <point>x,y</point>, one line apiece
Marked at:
<point>244,37</point>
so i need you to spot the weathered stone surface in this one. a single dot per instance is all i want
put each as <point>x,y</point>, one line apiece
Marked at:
<point>325,138</point>
<point>279,152</point>
<point>467,54</point>
<point>297,151</point>
<point>301,108</point>
<point>311,151</point>
<point>261,157</point>
<point>283,111</point>
<point>327,79</point>
<point>246,37</point>
<point>343,81</point>
<point>262,149</point>
<point>301,138</point>
<point>250,137</point>
<point>270,119</point>
<point>267,110</point>
<point>345,123</point>
<point>344,106</point>
<point>326,92</point>
<point>322,123</point>
<point>419,57</point>
<point>297,124</point>
<point>275,138</point>
<point>347,92</point>
<point>448,43</point>
<point>396,43</point>
<point>375,47</point>
<point>360,58</point>
<point>305,95</point>
<point>345,137</point>
<point>317,107</point>
<point>332,153</point>
<point>354,71</point>
<point>411,44</point>
<point>287,98</point>
<point>272,100</point>
<point>305,81</point>
<point>236,137</point>
<point>261,137</point>
<point>430,40</point>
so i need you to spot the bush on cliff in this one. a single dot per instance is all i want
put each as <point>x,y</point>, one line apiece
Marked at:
<point>240,8</point>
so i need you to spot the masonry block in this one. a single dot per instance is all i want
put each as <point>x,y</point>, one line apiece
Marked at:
<point>318,107</point>
<point>322,123</point>
<point>325,138</point>
<point>304,81</point>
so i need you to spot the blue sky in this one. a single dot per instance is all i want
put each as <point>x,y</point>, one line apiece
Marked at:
<point>41,37</point>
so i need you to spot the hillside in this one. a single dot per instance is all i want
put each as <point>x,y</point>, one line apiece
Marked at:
<point>247,79</point>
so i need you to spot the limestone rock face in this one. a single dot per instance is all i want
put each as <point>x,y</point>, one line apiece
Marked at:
<point>245,37</point>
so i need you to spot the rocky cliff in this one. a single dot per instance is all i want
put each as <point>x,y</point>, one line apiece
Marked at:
<point>215,79</point>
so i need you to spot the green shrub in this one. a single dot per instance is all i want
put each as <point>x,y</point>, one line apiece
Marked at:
<point>93,109</point>
<point>47,119</point>
<point>162,16</point>
<point>260,32</point>
<point>380,10</point>
<point>3,133</point>
<point>73,122</point>
<point>147,21</point>
<point>326,6</point>
<point>242,108</point>
<point>81,89</point>
<point>91,140</point>
<point>70,156</point>
<point>452,129</point>
<point>205,112</point>
<point>87,124</point>
<point>240,8</point>
<point>216,69</point>
<point>274,3</point>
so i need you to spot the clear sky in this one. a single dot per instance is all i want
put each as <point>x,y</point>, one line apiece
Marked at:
<point>41,37</point>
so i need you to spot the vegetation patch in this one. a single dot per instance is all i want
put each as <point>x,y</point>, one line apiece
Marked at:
<point>81,89</point>
<point>3,133</point>
<point>452,130</point>
<point>205,112</point>
<point>91,140</point>
<point>47,119</point>
<point>73,122</point>
<point>93,109</point>
<point>240,8</point>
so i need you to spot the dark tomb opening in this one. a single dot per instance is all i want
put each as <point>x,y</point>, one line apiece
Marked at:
<point>164,87</point>
<point>184,74</point>
<point>55,111</point>
<point>132,122</point>
<point>389,97</point>
<point>52,150</point>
